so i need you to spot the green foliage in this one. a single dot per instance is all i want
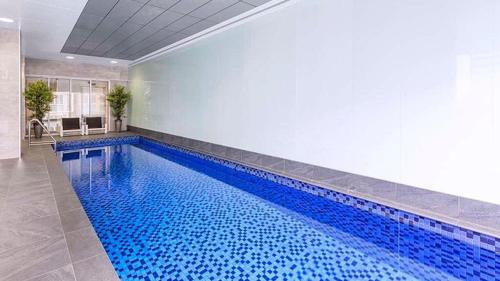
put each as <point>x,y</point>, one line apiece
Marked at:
<point>118,98</point>
<point>38,98</point>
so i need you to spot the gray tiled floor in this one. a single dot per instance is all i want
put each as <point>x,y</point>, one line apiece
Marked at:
<point>45,234</point>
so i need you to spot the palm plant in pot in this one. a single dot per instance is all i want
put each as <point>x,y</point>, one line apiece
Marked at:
<point>118,98</point>
<point>38,98</point>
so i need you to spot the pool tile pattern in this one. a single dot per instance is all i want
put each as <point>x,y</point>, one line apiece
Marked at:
<point>447,208</point>
<point>472,237</point>
<point>372,241</point>
<point>96,142</point>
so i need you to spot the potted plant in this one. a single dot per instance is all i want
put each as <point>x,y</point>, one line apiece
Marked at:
<point>118,98</point>
<point>38,98</point>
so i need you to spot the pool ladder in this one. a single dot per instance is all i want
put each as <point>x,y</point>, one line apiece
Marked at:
<point>30,142</point>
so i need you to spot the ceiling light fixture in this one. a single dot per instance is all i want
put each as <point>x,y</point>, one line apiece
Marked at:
<point>113,62</point>
<point>70,57</point>
<point>7,20</point>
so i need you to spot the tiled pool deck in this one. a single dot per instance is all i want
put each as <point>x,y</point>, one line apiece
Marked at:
<point>44,231</point>
<point>46,235</point>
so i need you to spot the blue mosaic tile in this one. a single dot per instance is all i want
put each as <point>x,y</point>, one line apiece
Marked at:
<point>398,215</point>
<point>167,213</point>
<point>97,142</point>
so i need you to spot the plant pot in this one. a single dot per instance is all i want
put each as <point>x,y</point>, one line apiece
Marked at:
<point>38,131</point>
<point>118,125</point>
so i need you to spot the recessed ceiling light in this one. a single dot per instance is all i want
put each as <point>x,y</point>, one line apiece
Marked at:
<point>70,57</point>
<point>113,62</point>
<point>7,20</point>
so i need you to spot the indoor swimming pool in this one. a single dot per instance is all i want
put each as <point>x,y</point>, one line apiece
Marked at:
<point>164,214</point>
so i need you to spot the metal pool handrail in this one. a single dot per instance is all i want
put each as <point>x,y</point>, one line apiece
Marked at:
<point>45,129</point>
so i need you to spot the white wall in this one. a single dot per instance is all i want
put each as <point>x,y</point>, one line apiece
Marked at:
<point>407,91</point>
<point>42,67</point>
<point>10,96</point>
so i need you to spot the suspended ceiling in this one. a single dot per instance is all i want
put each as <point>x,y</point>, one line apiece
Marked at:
<point>130,29</point>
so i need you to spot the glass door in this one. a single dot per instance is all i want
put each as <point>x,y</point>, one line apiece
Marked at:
<point>80,98</point>
<point>98,98</point>
<point>60,107</point>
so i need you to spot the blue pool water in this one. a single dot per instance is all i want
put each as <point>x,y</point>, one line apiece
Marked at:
<point>165,215</point>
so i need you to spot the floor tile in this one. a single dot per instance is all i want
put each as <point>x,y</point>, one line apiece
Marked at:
<point>474,211</point>
<point>97,268</point>
<point>68,202</point>
<point>33,260</point>
<point>251,158</point>
<point>6,164</point>
<point>62,189</point>
<point>380,189</point>
<point>273,163</point>
<point>74,220</point>
<point>2,201</point>
<point>4,186</point>
<point>37,184</point>
<point>22,195</point>
<point>28,210</point>
<point>28,178</point>
<point>325,175</point>
<point>429,201</point>
<point>16,235</point>
<point>56,178</point>
<point>83,244</point>
<point>299,169</point>
<point>348,181</point>
<point>233,154</point>
<point>64,273</point>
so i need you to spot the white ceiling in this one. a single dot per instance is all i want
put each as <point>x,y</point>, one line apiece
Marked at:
<point>45,25</point>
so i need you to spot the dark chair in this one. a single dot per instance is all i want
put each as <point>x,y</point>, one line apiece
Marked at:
<point>95,125</point>
<point>72,125</point>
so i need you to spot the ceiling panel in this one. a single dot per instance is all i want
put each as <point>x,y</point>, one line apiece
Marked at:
<point>187,6</point>
<point>152,48</point>
<point>146,14</point>
<point>129,29</point>
<point>256,2</point>
<point>165,42</point>
<point>138,47</point>
<point>102,48</point>
<point>164,19</point>
<point>184,22</point>
<point>104,30</point>
<point>99,7</point>
<point>212,7</point>
<point>230,12</point>
<point>88,21</point>
<point>123,10</point>
<point>198,27</point>
<point>131,40</point>
<point>77,37</point>
<point>165,4</point>
<point>153,39</point>
<point>118,36</point>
